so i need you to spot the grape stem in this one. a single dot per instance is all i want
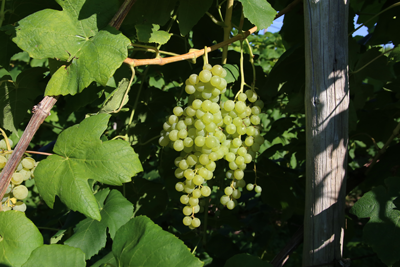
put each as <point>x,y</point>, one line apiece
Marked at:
<point>6,139</point>
<point>227,29</point>
<point>38,153</point>
<point>205,56</point>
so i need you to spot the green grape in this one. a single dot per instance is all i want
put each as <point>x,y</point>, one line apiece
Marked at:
<point>184,200</point>
<point>214,108</point>
<point>167,127</point>
<point>258,189</point>
<point>211,166</point>
<point>199,125</point>
<point>189,189</point>
<point>178,145</point>
<point>229,105</point>
<point>196,222</point>
<point>239,160</point>
<point>215,99</point>
<point>227,120</point>
<point>242,151</point>
<point>182,134</point>
<point>178,111</point>
<point>250,131</point>
<point>198,180</point>
<point>179,187</point>
<point>192,132</point>
<point>196,104</point>
<point>215,81</point>
<point>236,194</point>
<point>233,165</point>
<point>246,121</point>
<point>190,111</point>
<point>191,160</point>
<point>193,201</point>
<point>213,156</point>
<point>255,120</point>
<point>189,174</point>
<point>177,160</point>
<point>233,114</point>
<point>224,199</point>
<point>238,174</point>
<point>242,167</point>
<point>242,97</point>
<point>248,111</point>
<point>230,205</point>
<point>259,140</point>
<point>183,164</point>
<point>216,70</point>
<point>206,105</point>
<point>203,159</point>
<point>211,142</point>
<point>17,178</point>
<point>240,107</point>
<point>186,149</point>
<point>20,192</point>
<point>230,157</point>
<point>241,130</point>
<point>200,133</point>
<point>237,122</point>
<point>250,187</point>
<point>259,103</point>
<point>196,193</point>
<point>255,147</point>
<point>172,119</point>
<point>196,209</point>
<point>163,141</point>
<point>255,110</point>
<point>231,129</point>
<point>223,73</point>
<point>207,118</point>
<point>193,79</point>
<point>249,141</point>
<point>179,173</point>
<point>205,76</point>
<point>228,191</point>
<point>241,183</point>
<point>188,142</point>
<point>209,176</point>
<point>187,210</point>
<point>205,191</point>
<point>187,220</point>
<point>181,125</point>
<point>207,67</point>
<point>222,85</point>
<point>233,149</point>
<point>173,135</point>
<point>200,87</point>
<point>236,142</point>
<point>247,158</point>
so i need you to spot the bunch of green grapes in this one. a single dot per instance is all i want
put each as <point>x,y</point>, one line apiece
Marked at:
<point>206,131</point>
<point>16,191</point>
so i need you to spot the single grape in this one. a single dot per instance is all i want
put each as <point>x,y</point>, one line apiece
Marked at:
<point>205,76</point>
<point>258,189</point>
<point>17,178</point>
<point>242,97</point>
<point>205,191</point>
<point>236,142</point>
<point>184,200</point>
<point>196,193</point>
<point>188,142</point>
<point>20,192</point>
<point>20,206</point>
<point>178,145</point>
<point>193,201</point>
<point>228,191</point>
<point>204,160</point>
<point>239,160</point>
<point>3,161</point>
<point>259,103</point>
<point>230,157</point>
<point>216,70</point>
<point>179,187</point>
<point>211,166</point>
<point>236,194</point>
<point>173,135</point>
<point>200,141</point>
<point>249,141</point>
<point>179,173</point>
<point>191,160</point>
<point>187,220</point>
<point>255,120</point>
<point>182,134</point>
<point>224,199</point>
<point>196,209</point>
<point>240,107</point>
<point>230,205</point>
<point>250,187</point>
<point>196,104</point>
<point>196,222</point>
<point>230,129</point>
<point>193,79</point>
<point>207,67</point>
<point>178,111</point>
<point>233,165</point>
<point>229,105</point>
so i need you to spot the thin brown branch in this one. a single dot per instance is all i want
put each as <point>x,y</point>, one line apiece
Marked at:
<point>288,8</point>
<point>41,111</point>
<point>119,17</point>
<point>38,153</point>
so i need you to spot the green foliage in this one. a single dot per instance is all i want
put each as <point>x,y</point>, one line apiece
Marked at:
<point>146,244</point>
<point>81,155</point>
<point>18,238</point>
<point>259,12</point>
<point>56,255</point>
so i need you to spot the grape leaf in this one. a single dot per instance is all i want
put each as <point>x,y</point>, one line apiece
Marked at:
<point>78,34</point>
<point>107,260</point>
<point>18,238</point>
<point>151,34</point>
<point>140,242</point>
<point>240,260</point>
<point>114,100</point>
<point>258,12</point>
<point>382,232</point>
<point>90,235</point>
<point>56,255</point>
<point>16,98</point>
<point>232,73</point>
<point>190,12</point>
<point>81,155</point>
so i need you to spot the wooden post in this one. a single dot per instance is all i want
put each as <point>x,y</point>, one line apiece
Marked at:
<point>326,102</point>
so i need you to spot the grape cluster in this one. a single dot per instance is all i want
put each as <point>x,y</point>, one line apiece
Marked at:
<point>205,132</point>
<point>16,191</point>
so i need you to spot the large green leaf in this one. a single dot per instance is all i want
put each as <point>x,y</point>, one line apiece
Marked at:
<point>116,98</point>
<point>81,155</point>
<point>90,235</point>
<point>16,98</point>
<point>258,12</point>
<point>56,255</point>
<point>190,12</point>
<point>18,238</point>
<point>106,261</point>
<point>240,260</point>
<point>140,242</point>
<point>382,232</point>
<point>78,34</point>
